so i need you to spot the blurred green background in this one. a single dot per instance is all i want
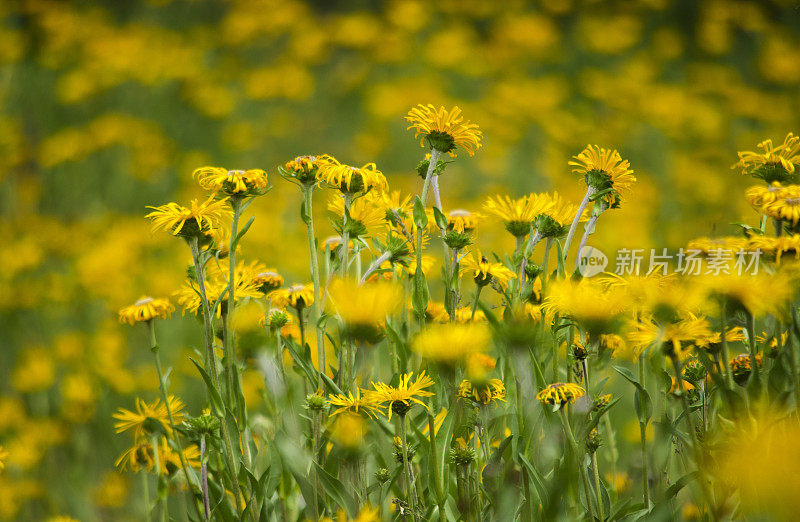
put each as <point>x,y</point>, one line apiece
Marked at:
<point>108,107</point>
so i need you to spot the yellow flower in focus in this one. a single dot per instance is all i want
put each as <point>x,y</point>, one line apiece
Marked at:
<point>786,206</point>
<point>232,182</point>
<point>400,399</point>
<point>445,130</point>
<point>452,343</point>
<point>604,170</point>
<point>149,418</point>
<point>517,214</point>
<point>554,221</point>
<point>196,221</point>
<point>367,215</point>
<point>482,393</point>
<point>560,393</point>
<point>485,272</point>
<point>352,180</point>
<point>304,168</point>
<point>189,297</point>
<point>759,195</point>
<point>364,401</point>
<point>297,296</point>
<point>763,164</point>
<point>145,309</point>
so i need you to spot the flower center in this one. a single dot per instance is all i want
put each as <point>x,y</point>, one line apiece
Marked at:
<point>460,212</point>
<point>235,172</point>
<point>268,273</point>
<point>792,201</point>
<point>297,288</point>
<point>144,301</point>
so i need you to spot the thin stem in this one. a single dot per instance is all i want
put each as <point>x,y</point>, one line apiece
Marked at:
<point>578,454</point>
<point>475,302</point>
<point>375,265</point>
<point>612,449</point>
<point>585,238</point>
<point>157,467</point>
<point>412,501</point>
<point>204,477</point>
<point>726,355</point>
<point>597,488</point>
<point>574,226</point>
<point>424,197</point>
<point>533,240</point>
<point>344,249</point>
<point>547,245</point>
<point>440,497</point>
<point>146,494</point>
<point>643,443</point>
<point>312,254</point>
<point>229,355</point>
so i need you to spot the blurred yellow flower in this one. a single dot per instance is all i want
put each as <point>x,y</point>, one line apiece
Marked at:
<point>452,343</point>
<point>482,393</point>
<point>297,296</point>
<point>364,305</point>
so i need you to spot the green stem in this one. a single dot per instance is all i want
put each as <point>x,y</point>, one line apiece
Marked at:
<point>440,497</point>
<point>316,312</point>
<point>612,449</point>
<point>344,249</point>
<point>643,442</point>
<point>726,355</point>
<point>597,489</point>
<point>575,221</point>
<point>547,245</point>
<point>424,198</point>
<point>475,302</point>
<point>412,501</point>
<point>578,455</point>
<point>146,494</point>
<point>157,465</point>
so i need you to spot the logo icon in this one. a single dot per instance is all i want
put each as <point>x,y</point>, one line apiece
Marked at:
<point>592,261</point>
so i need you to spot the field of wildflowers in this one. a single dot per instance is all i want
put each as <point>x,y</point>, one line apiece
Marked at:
<point>297,260</point>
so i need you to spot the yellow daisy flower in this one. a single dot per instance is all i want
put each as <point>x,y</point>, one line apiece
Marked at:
<point>452,343</point>
<point>367,215</point>
<point>489,392</point>
<point>786,206</point>
<point>555,220</point>
<point>297,296</point>
<point>760,195</point>
<point>149,417</point>
<point>517,214</point>
<point>364,305</point>
<point>462,220</point>
<point>352,180</point>
<point>304,168</point>
<point>560,393</point>
<point>764,163</point>
<point>484,271</point>
<point>604,169</point>
<point>445,130</point>
<point>232,182</point>
<point>196,221</point>
<point>145,309</point>
<point>400,399</point>
<point>364,401</point>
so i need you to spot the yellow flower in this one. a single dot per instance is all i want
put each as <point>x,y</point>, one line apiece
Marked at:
<point>560,393</point>
<point>149,418</point>
<point>145,309</point>
<point>348,431</point>
<point>364,401</point>
<point>763,164</point>
<point>462,220</point>
<point>364,305</point>
<point>759,294</point>
<point>3,457</point>
<point>604,169</point>
<point>445,130</point>
<point>677,337</point>
<point>741,366</point>
<point>517,214</point>
<point>463,315</point>
<point>714,245</point>
<point>786,206</point>
<point>304,168</point>
<point>297,296</point>
<point>352,180</point>
<point>366,514</point>
<point>367,215</point>
<point>216,286</point>
<point>400,399</point>
<point>491,391</point>
<point>587,302</point>
<point>452,343</point>
<point>554,220</point>
<point>759,195</point>
<point>232,182</point>
<point>192,222</point>
<point>267,280</point>
<point>484,271</point>
<point>140,456</point>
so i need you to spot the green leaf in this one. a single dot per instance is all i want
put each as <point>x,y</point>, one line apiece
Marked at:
<point>216,399</point>
<point>441,220</point>
<point>419,294</point>
<point>336,490</point>
<point>680,484</point>
<point>643,405</point>
<point>420,217</point>
<point>242,232</point>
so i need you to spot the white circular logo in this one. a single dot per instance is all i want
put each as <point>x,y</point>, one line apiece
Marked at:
<point>591,261</point>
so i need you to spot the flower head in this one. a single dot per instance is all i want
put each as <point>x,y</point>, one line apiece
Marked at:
<point>452,343</point>
<point>785,206</point>
<point>482,393</point>
<point>304,168</point>
<point>555,219</point>
<point>366,215</point>
<point>517,214</point>
<point>742,366</point>
<point>149,417</point>
<point>196,221</point>
<point>605,171</point>
<point>297,296</point>
<point>364,401</point>
<point>444,130</point>
<point>461,220</point>
<point>771,163</point>
<point>484,271</point>
<point>145,309</point>
<point>560,393</point>
<point>587,302</point>
<point>351,180</point>
<point>232,182</point>
<point>363,308</point>
<point>400,399</point>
